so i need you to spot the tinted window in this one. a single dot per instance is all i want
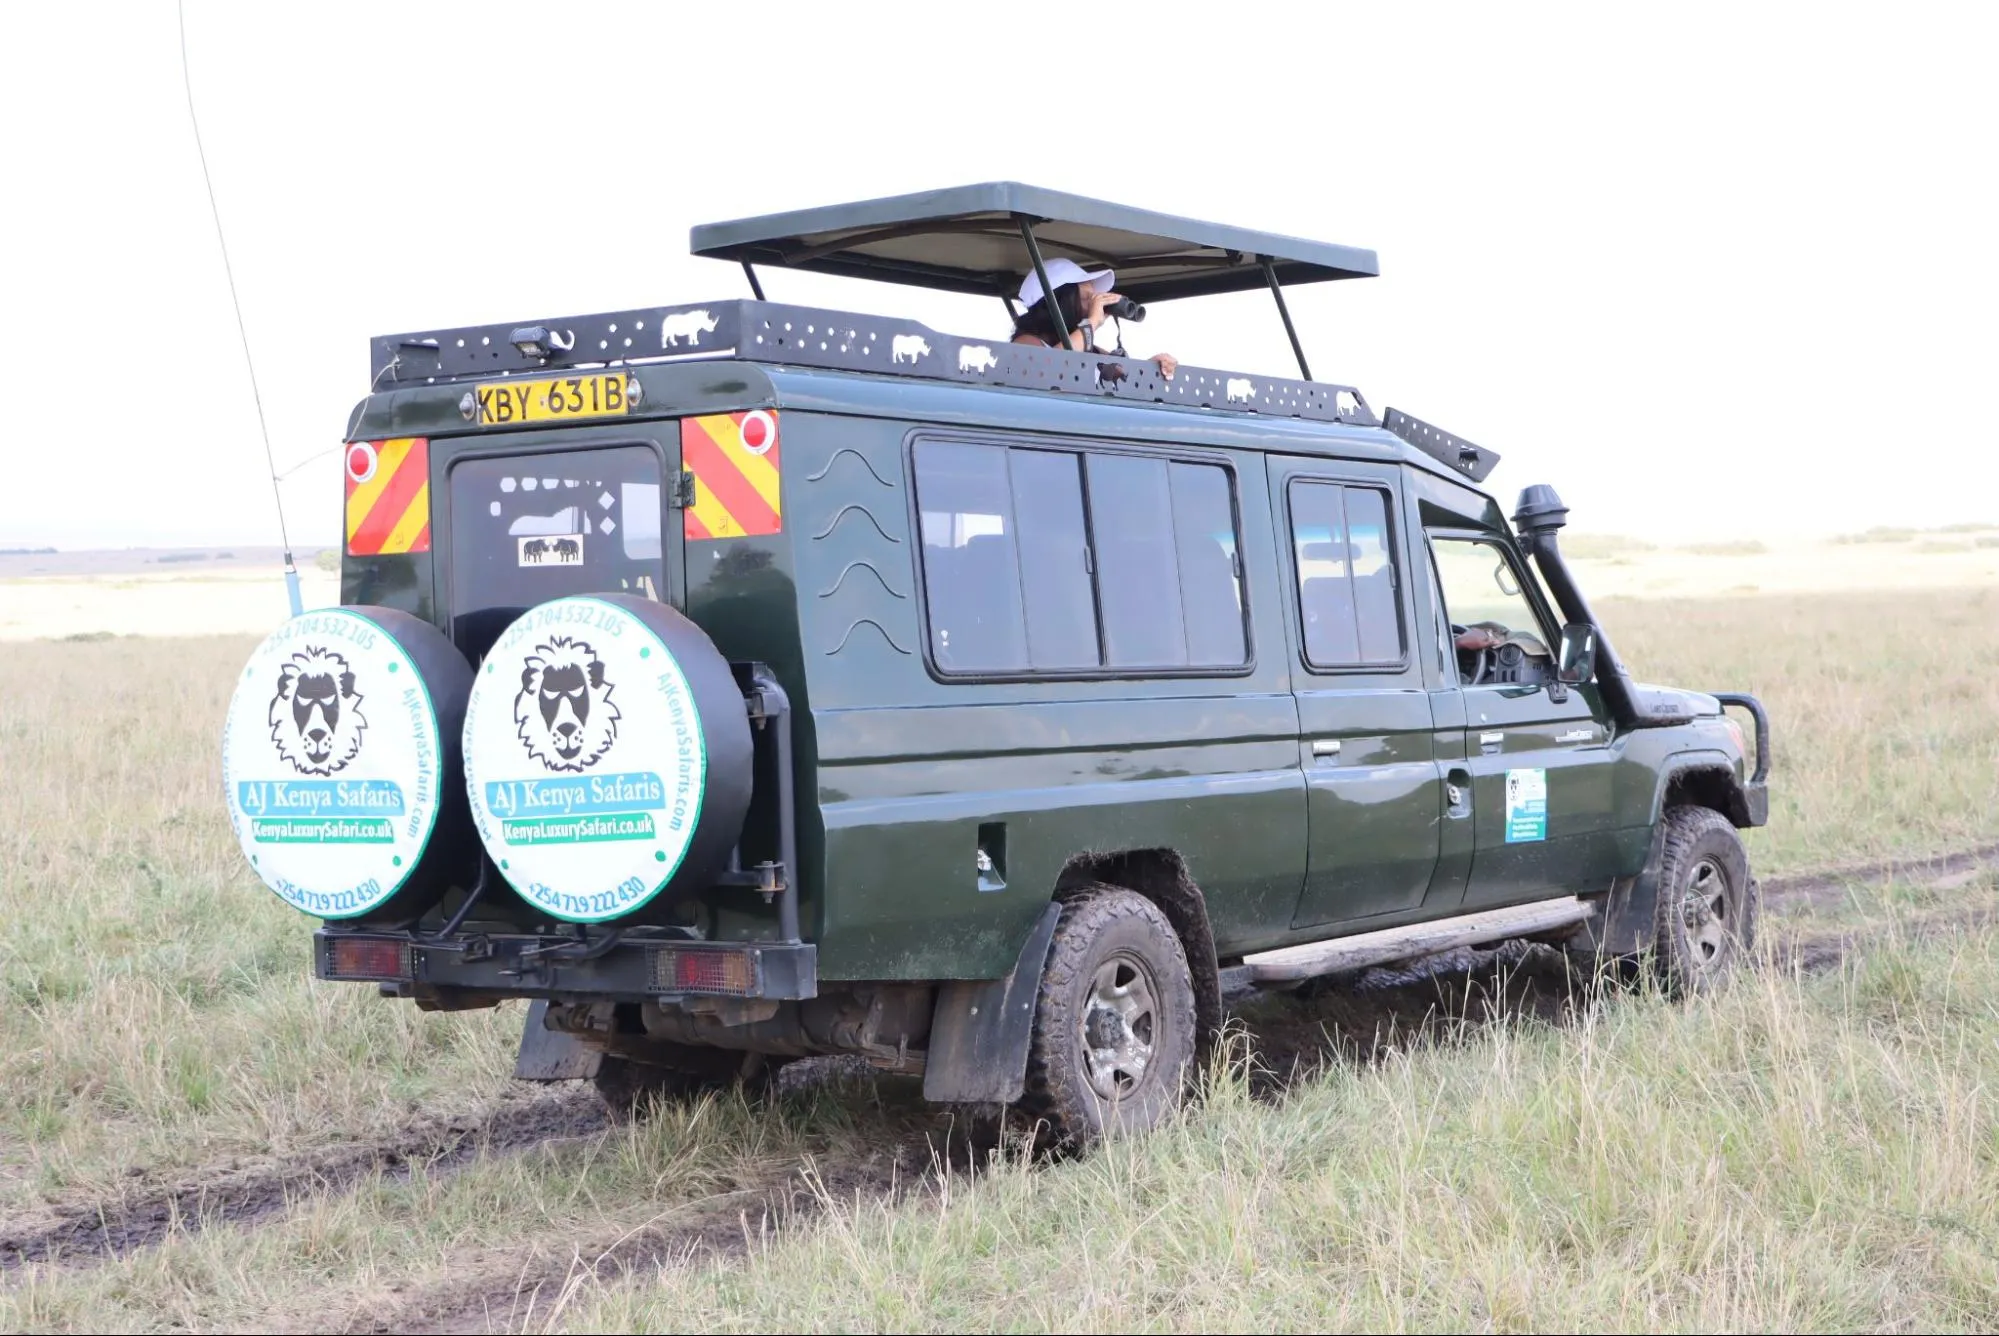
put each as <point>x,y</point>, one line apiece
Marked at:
<point>1028,569</point>
<point>1373,572</point>
<point>1138,569</point>
<point>1344,549</point>
<point>531,527</point>
<point>1055,581</point>
<point>970,569</point>
<point>1204,542</point>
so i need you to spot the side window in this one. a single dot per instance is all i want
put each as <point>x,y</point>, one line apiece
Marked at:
<point>1204,543</point>
<point>1166,567</point>
<point>971,568</point>
<point>1344,547</point>
<point>1137,571</point>
<point>1027,569</point>
<point>1489,612</point>
<point>1054,560</point>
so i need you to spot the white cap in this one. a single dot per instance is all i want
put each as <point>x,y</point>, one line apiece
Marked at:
<point>1062,273</point>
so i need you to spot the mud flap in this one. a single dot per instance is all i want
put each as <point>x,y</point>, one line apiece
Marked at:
<point>553,1055</point>
<point>981,1028</point>
<point>1626,921</point>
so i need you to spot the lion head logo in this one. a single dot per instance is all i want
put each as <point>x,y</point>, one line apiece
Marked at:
<point>316,715</point>
<point>566,718</point>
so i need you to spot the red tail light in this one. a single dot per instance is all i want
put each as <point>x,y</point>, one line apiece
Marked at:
<point>369,958</point>
<point>705,970</point>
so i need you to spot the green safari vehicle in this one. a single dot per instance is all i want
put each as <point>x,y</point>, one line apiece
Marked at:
<point>741,682</point>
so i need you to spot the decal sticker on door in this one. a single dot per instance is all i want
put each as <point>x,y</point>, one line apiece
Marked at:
<point>1526,806</point>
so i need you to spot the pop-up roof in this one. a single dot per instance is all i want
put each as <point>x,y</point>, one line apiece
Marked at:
<point>979,239</point>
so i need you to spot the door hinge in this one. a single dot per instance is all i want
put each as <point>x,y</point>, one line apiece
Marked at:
<point>683,491</point>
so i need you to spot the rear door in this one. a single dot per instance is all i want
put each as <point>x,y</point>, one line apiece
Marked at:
<point>542,515</point>
<point>1374,787</point>
<point>1539,754</point>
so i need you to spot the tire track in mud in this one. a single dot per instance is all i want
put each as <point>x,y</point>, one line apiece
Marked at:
<point>1362,1020</point>
<point>97,1231</point>
<point>1289,1038</point>
<point>1941,871</point>
<point>511,1289</point>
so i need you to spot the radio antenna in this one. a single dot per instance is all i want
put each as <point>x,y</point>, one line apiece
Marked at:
<point>242,332</point>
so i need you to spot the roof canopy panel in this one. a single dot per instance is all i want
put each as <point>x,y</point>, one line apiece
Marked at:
<point>967,239</point>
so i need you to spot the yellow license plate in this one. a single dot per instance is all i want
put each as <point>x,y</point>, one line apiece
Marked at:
<point>556,399</point>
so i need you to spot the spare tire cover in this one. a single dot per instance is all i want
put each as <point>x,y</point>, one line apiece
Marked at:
<point>340,761</point>
<point>607,755</point>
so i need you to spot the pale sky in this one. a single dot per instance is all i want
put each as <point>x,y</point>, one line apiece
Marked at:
<point>1712,270</point>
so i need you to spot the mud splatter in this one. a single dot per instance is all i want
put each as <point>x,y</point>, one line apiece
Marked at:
<point>69,1234</point>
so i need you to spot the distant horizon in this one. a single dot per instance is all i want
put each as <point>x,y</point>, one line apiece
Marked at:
<point>261,546</point>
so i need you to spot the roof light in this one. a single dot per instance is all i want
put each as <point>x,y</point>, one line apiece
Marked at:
<point>540,342</point>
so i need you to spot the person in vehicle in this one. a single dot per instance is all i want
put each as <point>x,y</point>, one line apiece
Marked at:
<point>1084,299</point>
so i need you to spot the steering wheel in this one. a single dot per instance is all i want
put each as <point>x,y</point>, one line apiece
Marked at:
<point>1479,663</point>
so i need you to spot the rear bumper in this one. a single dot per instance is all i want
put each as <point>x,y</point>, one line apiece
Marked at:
<point>475,967</point>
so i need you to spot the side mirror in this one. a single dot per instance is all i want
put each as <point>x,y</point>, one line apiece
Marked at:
<point>1576,663</point>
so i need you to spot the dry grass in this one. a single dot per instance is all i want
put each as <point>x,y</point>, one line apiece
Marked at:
<point>1884,710</point>
<point>1809,1153</point>
<point>156,1009</point>
<point>1793,1155</point>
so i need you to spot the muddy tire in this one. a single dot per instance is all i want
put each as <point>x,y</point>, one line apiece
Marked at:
<point>632,1087</point>
<point>1114,1034</point>
<point>1705,921</point>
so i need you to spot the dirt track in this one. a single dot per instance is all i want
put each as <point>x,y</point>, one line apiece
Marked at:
<point>1290,1037</point>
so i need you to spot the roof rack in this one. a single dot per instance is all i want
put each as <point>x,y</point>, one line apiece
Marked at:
<point>1473,461</point>
<point>778,334</point>
<point>781,335</point>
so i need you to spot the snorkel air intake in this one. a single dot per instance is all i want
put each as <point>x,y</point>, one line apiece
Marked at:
<point>1537,519</point>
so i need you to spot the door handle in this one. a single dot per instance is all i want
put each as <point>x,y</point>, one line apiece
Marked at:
<point>1489,743</point>
<point>1325,746</point>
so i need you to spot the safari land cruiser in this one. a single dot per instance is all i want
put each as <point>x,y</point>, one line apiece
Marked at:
<point>740,682</point>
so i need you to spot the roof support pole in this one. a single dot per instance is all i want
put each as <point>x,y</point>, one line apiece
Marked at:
<point>1041,272</point>
<point>1297,349</point>
<point>749,272</point>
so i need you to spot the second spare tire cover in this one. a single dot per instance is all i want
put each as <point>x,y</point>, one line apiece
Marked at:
<point>607,755</point>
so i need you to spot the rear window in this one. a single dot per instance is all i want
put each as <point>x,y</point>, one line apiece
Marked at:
<point>527,528</point>
<point>1061,561</point>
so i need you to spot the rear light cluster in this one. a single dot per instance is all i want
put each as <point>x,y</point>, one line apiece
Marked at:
<point>382,958</point>
<point>727,970</point>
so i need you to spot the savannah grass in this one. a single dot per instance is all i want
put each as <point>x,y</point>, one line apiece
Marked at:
<point>1797,1152</point>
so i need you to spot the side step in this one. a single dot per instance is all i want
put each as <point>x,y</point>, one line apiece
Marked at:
<point>1417,939</point>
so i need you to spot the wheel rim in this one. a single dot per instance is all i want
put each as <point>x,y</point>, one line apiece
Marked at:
<point>1120,1026</point>
<point>1705,909</point>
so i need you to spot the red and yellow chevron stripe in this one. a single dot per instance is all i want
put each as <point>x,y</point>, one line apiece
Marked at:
<point>388,496</point>
<point>734,460</point>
